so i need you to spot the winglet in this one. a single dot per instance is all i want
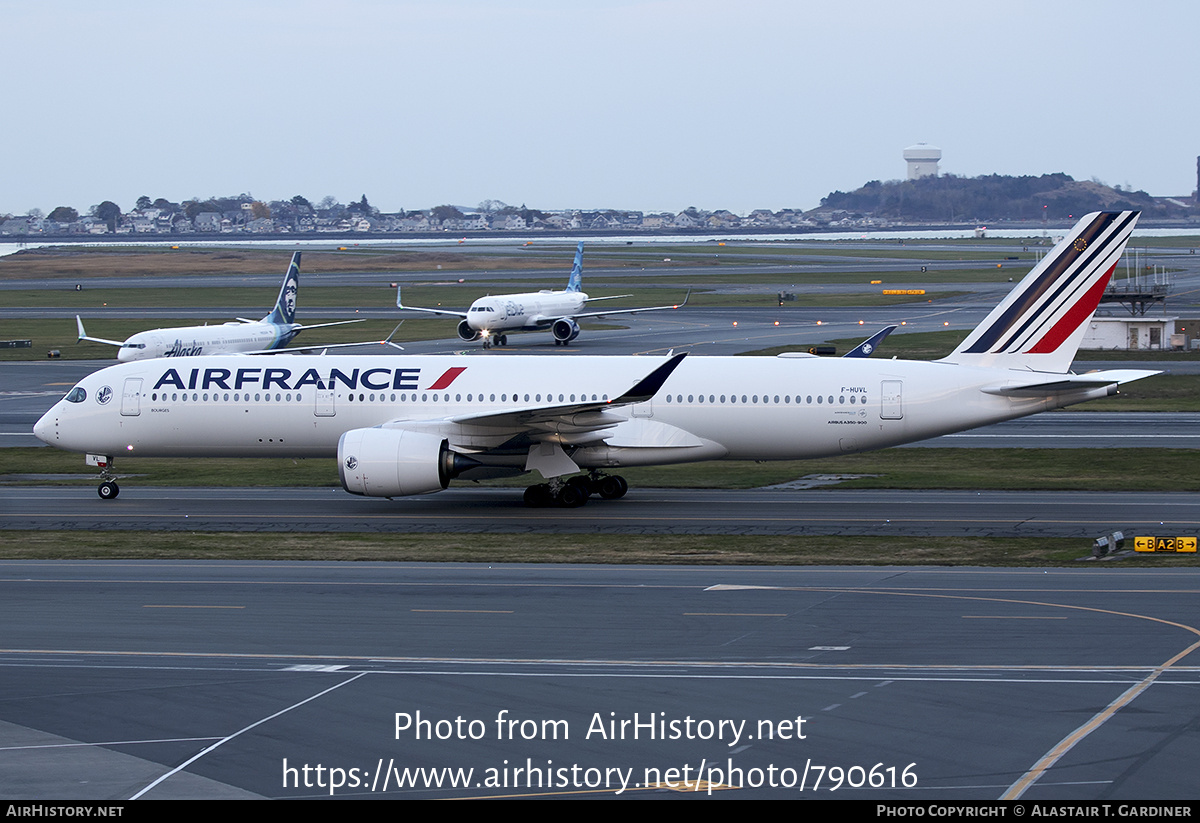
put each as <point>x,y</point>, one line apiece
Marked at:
<point>388,340</point>
<point>575,281</point>
<point>284,312</point>
<point>649,385</point>
<point>867,347</point>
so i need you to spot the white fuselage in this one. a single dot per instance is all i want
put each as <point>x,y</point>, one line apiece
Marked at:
<point>192,341</point>
<point>753,408</point>
<point>534,310</point>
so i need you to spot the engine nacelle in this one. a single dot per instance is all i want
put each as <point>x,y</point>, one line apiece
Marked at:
<point>565,330</point>
<point>465,332</point>
<point>395,462</point>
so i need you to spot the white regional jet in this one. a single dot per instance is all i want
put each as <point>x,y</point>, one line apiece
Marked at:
<point>402,425</point>
<point>271,333</point>
<point>559,311</point>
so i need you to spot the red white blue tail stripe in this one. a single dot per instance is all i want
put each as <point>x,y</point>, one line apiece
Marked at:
<point>1041,323</point>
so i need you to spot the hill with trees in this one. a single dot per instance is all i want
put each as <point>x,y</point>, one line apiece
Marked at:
<point>952,199</point>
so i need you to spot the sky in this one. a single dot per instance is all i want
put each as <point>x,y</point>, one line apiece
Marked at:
<point>653,105</point>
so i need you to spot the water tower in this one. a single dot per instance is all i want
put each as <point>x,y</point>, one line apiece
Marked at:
<point>922,160</point>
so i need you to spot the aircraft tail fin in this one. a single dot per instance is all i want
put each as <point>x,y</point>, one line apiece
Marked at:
<point>1041,322</point>
<point>575,281</point>
<point>284,312</point>
<point>867,347</point>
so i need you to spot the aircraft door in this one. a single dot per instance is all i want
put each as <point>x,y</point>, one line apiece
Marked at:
<point>893,400</point>
<point>324,404</point>
<point>131,397</point>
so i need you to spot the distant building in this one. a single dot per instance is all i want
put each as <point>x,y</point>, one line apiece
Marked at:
<point>922,160</point>
<point>1132,334</point>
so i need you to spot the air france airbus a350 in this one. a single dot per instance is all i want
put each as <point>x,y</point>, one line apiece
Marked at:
<point>273,332</point>
<point>491,317</point>
<point>403,425</point>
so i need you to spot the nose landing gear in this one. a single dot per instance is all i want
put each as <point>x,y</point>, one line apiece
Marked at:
<point>108,489</point>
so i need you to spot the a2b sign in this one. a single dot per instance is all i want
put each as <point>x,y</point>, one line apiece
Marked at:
<point>1164,544</point>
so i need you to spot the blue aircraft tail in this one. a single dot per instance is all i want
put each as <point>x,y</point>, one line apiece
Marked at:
<point>867,347</point>
<point>575,282</point>
<point>284,312</point>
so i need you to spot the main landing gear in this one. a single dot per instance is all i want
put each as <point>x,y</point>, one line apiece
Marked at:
<point>495,340</point>
<point>575,491</point>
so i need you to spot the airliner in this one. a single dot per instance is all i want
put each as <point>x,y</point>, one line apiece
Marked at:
<point>489,318</point>
<point>408,425</point>
<point>271,333</point>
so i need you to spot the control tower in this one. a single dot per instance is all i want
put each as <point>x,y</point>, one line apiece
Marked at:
<point>922,160</point>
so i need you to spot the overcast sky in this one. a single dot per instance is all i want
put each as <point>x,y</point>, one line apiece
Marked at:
<point>642,104</point>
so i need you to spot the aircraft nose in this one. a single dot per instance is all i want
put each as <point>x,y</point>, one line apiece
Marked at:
<point>124,354</point>
<point>46,429</point>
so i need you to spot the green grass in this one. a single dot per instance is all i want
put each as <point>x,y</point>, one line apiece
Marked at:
<point>579,548</point>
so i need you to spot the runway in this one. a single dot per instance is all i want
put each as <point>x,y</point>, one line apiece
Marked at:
<point>774,511</point>
<point>166,680</point>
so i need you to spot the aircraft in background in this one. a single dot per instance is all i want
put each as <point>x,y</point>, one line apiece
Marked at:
<point>490,318</point>
<point>244,336</point>
<point>408,425</point>
<point>867,347</point>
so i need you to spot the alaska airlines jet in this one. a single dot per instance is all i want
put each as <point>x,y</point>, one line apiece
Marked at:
<point>273,332</point>
<point>559,311</point>
<point>404,425</point>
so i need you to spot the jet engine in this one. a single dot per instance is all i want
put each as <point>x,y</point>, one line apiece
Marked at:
<point>467,333</point>
<point>565,330</point>
<point>395,462</point>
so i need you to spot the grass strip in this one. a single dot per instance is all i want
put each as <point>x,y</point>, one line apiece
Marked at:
<point>583,548</point>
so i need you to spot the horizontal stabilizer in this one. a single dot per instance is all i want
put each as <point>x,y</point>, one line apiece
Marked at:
<point>1044,384</point>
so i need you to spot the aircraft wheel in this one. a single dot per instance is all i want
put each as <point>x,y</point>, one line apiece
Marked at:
<point>571,496</point>
<point>503,341</point>
<point>108,490</point>
<point>538,496</point>
<point>612,487</point>
<point>583,483</point>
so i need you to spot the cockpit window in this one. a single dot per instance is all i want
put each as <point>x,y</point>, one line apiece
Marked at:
<point>76,395</point>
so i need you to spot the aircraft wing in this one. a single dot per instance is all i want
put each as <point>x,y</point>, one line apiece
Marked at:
<point>299,327</point>
<point>1040,385</point>
<point>461,315</point>
<point>629,311</point>
<point>83,336</point>
<point>641,391</point>
<point>323,349</point>
<point>543,429</point>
